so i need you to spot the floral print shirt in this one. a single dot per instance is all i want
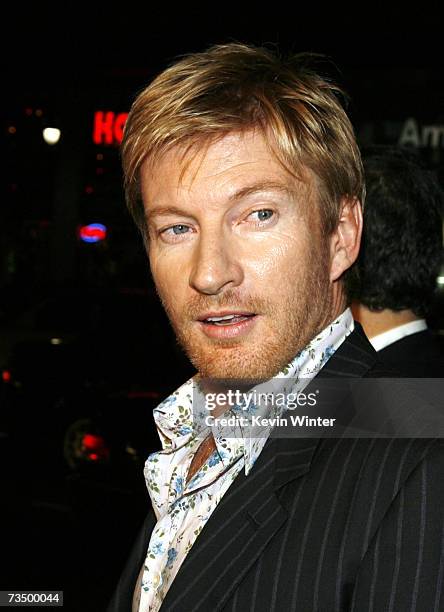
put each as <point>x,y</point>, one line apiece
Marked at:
<point>182,509</point>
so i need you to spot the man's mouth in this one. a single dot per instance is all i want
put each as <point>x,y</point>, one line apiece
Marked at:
<point>227,325</point>
<point>226,319</point>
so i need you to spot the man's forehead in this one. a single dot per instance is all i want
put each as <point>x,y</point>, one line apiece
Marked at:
<point>243,163</point>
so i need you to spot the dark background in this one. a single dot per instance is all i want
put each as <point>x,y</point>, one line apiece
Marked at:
<point>70,518</point>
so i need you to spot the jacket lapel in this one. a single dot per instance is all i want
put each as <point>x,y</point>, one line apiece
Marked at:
<point>353,358</point>
<point>245,520</point>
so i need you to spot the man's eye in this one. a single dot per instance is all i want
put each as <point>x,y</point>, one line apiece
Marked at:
<point>174,233</point>
<point>177,229</point>
<point>263,215</point>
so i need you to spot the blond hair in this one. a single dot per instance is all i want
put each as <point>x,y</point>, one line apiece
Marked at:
<point>236,87</point>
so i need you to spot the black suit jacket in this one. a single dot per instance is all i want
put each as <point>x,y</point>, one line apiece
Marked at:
<point>318,525</point>
<point>415,356</point>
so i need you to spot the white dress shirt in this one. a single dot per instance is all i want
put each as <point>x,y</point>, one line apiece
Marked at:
<point>182,509</point>
<point>396,333</point>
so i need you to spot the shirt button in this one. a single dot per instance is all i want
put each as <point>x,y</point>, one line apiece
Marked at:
<point>156,580</point>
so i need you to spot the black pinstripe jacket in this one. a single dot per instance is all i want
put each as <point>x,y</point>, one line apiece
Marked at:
<point>318,525</point>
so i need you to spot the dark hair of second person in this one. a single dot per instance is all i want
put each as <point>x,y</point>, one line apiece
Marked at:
<point>402,238</point>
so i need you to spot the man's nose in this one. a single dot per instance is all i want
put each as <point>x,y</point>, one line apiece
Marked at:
<point>215,266</point>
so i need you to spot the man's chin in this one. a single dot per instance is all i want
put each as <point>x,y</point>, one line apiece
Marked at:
<point>248,360</point>
<point>234,365</point>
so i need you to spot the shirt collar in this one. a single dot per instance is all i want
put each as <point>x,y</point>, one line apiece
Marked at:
<point>180,418</point>
<point>390,336</point>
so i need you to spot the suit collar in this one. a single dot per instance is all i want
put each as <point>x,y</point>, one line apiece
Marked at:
<point>354,358</point>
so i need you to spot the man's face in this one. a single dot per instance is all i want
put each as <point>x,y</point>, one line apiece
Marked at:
<point>237,256</point>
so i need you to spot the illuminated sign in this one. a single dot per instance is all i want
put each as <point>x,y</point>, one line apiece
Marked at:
<point>94,232</point>
<point>421,136</point>
<point>108,127</point>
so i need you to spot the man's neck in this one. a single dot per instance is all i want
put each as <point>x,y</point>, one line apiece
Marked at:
<point>375,323</point>
<point>338,303</point>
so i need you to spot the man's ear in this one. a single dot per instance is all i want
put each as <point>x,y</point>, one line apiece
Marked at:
<point>346,238</point>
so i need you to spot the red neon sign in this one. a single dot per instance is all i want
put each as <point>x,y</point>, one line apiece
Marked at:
<point>108,127</point>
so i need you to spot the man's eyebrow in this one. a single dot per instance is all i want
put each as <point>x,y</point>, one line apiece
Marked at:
<point>163,211</point>
<point>261,186</point>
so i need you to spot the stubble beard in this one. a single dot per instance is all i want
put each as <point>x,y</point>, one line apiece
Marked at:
<point>289,325</point>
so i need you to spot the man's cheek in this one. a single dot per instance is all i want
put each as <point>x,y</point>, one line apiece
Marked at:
<point>163,271</point>
<point>172,294</point>
<point>273,263</point>
<point>169,298</point>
